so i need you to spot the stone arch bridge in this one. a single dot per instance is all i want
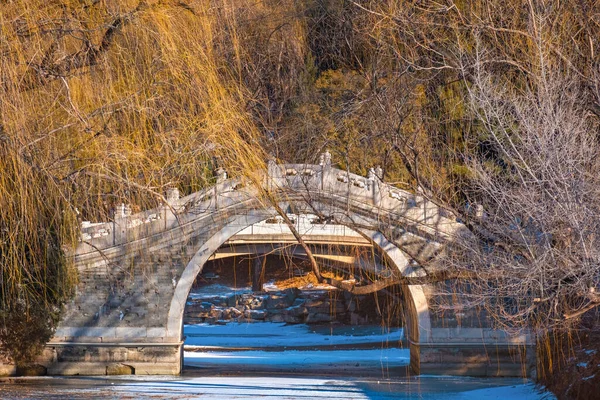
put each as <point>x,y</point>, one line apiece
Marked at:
<point>136,271</point>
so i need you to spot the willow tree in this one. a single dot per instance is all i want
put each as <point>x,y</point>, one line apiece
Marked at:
<point>103,102</point>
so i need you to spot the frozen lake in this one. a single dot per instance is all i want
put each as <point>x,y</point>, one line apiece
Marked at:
<point>277,361</point>
<point>268,386</point>
<point>281,335</point>
<point>276,347</point>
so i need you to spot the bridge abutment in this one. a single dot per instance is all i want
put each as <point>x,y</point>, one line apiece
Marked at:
<point>474,359</point>
<point>72,358</point>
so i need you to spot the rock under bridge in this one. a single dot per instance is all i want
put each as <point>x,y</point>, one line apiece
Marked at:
<point>136,271</point>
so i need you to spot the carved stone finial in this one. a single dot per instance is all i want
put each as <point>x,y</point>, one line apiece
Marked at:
<point>172,195</point>
<point>379,172</point>
<point>325,159</point>
<point>479,213</point>
<point>371,174</point>
<point>221,175</point>
<point>123,210</point>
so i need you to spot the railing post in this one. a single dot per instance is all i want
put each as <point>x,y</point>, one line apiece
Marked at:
<point>120,217</point>
<point>172,196</point>
<point>325,163</point>
<point>374,180</point>
<point>221,177</point>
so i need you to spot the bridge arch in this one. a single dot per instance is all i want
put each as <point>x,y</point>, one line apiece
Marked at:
<point>417,312</point>
<point>135,272</point>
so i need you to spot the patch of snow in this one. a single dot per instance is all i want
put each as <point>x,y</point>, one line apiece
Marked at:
<point>590,352</point>
<point>587,378</point>
<point>582,364</point>
<point>270,286</point>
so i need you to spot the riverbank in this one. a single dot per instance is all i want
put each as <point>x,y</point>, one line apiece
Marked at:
<point>576,368</point>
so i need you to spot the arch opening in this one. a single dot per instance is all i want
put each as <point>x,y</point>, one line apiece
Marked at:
<point>415,312</point>
<point>290,319</point>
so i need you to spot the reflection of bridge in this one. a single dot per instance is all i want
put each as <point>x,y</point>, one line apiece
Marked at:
<point>135,272</point>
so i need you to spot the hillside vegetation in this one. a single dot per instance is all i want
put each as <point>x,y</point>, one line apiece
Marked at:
<point>488,103</point>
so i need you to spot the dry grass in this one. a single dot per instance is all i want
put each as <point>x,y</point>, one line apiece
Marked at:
<point>309,278</point>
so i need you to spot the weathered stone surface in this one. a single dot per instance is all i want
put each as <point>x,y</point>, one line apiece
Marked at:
<point>255,314</point>
<point>479,360</point>
<point>318,317</point>
<point>231,301</point>
<point>298,302</point>
<point>298,311</point>
<point>31,370</point>
<point>278,301</point>
<point>290,319</point>
<point>257,303</point>
<point>293,302</point>
<point>234,312</point>
<point>276,317</point>
<point>292,293</point>
<point>316,302</point>
<point>351,306</point>
<point>119,369</point>
<point>7,369</point>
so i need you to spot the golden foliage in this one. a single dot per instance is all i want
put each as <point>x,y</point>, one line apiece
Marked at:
<point>103,102</point>
<point>110,101</point>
